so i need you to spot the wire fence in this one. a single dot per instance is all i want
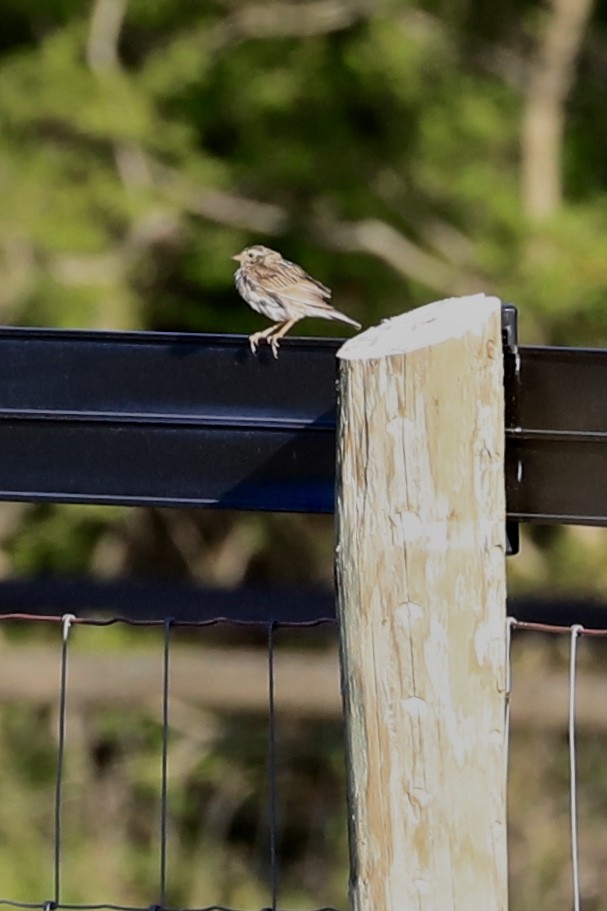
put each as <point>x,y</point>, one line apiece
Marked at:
<point>66,624</point>
<point>574,632</point>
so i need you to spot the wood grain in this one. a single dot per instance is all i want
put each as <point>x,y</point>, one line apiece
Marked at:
<point>421,601</point>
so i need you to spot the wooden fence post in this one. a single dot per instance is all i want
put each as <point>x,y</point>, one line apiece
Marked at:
<point>421,601</point>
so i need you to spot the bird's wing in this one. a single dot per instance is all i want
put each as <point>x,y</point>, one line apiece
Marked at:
<point>291,282</point>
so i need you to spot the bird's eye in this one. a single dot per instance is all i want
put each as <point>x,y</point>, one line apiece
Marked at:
<point>250,254</point>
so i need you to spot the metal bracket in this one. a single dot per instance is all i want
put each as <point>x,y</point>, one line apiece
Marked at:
<point>512,378</point>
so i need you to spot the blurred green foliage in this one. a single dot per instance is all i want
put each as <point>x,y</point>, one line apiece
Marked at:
<point>381,145</point>
<point>129,132</point>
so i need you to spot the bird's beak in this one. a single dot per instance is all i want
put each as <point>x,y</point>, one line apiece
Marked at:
<point>237,257</point>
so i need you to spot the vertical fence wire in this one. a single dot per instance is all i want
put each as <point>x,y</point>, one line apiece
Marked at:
<point>164,762</point>
<point>272,766</point>
<point>66,623</point>
<point>575,860</point>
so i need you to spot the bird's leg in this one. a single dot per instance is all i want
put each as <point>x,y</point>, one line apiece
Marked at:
<point>254,339</point>
<point>283,328</point>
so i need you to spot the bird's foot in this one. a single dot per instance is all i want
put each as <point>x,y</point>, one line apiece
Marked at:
<point>254,341</point>
<point>272,342</point>
<point>265,333</point>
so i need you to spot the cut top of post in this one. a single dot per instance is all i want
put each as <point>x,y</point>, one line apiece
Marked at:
<point>438,322</point>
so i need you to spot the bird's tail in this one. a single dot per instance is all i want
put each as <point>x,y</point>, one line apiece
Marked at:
<point>336,314</point>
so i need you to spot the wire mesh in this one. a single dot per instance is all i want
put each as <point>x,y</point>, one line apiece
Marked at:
<point>575,632</point>
<point>66,623</point>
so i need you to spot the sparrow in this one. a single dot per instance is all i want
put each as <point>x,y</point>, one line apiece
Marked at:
<point>282,291</point>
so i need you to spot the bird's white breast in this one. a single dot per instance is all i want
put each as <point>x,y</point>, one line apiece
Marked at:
<point>258,299</point>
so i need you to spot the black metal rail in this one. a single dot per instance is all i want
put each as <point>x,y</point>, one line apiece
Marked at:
<point>197,420</point>
<point>556,453</point>
<point>166,419</point>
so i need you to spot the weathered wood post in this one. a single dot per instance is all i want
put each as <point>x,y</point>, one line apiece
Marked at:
<point>421,600</point>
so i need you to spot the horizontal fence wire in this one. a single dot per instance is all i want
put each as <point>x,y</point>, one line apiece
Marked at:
<point>553,629</point>
<point>51,906</point>
<point>213,621</point>
<point>520,625</point>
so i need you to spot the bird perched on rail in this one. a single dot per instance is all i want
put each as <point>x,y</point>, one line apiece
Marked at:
<point>282,291</point>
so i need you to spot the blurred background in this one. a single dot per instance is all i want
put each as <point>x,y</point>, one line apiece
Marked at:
<point>401,152</point>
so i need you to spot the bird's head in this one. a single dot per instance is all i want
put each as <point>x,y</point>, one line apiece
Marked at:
<point>256,254</point>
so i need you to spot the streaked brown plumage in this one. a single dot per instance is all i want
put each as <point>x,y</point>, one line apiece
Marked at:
<point>281,291</point>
